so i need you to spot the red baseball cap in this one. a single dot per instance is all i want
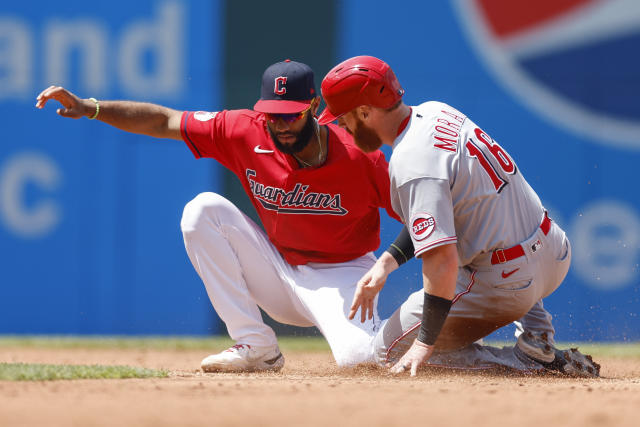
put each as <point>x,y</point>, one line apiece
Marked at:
<point>287,87</point>
<point>361,80</point>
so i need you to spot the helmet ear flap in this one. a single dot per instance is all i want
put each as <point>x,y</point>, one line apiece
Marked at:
<point>391,88</point>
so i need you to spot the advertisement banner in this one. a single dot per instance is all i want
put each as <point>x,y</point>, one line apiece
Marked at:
<point>554,83</point>
<point>90,237</point>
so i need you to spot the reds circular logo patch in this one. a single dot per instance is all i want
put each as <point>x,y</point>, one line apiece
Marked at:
<point>422,225</point>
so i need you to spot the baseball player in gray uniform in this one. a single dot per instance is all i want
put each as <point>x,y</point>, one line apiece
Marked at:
<point>490,253</point>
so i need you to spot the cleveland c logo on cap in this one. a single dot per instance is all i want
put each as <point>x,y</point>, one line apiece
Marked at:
<point>279,87</point>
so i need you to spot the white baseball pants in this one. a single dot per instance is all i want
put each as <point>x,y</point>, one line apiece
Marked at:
<point>485,292</point>
<point>242,270</point>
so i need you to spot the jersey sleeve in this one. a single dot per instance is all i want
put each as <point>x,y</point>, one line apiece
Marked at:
<point>211,134</point>
<point>381,176</point>
<point>426,206</point>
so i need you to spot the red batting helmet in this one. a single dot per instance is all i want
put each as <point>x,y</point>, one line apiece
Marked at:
<point>361,80</point>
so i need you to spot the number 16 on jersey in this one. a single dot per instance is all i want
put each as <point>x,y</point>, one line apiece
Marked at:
<point>499,155</point>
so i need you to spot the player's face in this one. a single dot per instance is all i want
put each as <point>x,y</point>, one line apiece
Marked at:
<point>291,138</point>
<point>365,138</point>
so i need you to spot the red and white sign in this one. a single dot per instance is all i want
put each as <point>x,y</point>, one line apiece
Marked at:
<point>570,60</point>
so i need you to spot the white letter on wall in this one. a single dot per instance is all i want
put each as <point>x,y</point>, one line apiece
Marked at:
<point>16,56</point>
<point>605,243</point>
<point>37,219</point>
<point>164,40</point>
<point>90,39</point>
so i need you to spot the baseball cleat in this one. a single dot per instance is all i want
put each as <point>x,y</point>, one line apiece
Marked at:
<point>569,362</point>
<point>244,358</point>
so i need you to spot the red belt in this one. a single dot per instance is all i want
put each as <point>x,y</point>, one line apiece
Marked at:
<point>500,256</point>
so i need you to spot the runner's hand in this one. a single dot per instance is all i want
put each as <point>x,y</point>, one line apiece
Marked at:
<point>414,357</point>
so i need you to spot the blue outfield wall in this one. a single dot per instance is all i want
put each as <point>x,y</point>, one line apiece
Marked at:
<point>89,215</point>
<point>90,238</point>
<point>570,119</point>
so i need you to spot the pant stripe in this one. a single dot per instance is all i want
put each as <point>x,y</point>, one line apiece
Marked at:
<point>413,328</point>
<point>457,297</point>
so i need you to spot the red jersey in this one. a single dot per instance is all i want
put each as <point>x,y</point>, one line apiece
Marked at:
<point>322,214</point>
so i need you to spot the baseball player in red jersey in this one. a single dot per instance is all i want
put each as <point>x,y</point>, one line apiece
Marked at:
<point>316,193</point>
<point>489,251</point>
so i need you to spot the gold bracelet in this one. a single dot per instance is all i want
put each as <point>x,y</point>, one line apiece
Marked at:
<point>97,108</point>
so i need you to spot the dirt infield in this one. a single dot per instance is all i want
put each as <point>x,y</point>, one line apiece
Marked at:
<point>311,391</point>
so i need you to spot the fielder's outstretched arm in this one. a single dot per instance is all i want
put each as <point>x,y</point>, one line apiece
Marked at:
<point>135,117</point>
<point>400,251</point>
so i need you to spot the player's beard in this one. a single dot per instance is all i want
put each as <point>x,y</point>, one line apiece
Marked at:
<point>365,138</point>
<point>302,138</point>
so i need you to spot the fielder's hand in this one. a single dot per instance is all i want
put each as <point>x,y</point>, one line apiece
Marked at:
<point>74,106</point>
<point>369,285</point>
<point>414,357</point>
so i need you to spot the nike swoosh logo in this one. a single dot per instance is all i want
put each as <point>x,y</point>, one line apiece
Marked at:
<point>274,360</point>
<point>259,150</point>
<point>505,275</point>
